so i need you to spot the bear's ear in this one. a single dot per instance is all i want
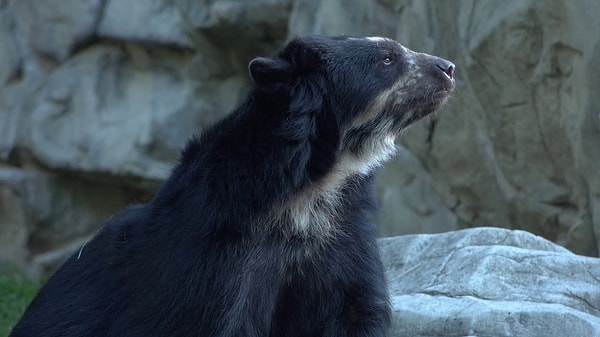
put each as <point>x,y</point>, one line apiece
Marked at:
<point>268,71</point>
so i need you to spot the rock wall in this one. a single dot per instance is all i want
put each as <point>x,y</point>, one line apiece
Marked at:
<point>97,96</point>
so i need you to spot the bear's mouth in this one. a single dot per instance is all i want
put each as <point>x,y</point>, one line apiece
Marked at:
<point>411,109</point>
<point>434,101</point>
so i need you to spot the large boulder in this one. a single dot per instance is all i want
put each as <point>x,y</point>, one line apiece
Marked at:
<point>488,282</point>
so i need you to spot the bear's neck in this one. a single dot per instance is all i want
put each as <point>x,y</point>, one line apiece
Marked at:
<point>315,212</point>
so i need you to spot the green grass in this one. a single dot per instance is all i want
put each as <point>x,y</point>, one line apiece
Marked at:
<point>16,291</point>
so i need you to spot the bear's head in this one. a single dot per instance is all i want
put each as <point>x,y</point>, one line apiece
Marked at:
<point>361,92</point>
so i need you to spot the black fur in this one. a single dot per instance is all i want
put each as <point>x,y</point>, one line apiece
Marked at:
<point>213,254</point>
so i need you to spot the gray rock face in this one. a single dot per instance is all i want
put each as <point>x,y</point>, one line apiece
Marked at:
<point>490,282</point>
<point>106,92</point>
<point>516,147</point>
<point>37,209</point>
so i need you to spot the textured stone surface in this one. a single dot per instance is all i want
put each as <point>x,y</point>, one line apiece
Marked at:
<point>106,92</point>
<point>54,28</point>
<point>406,192</point>
<point>45,217</point>
<point>515,148</point>
<point>490,282</point>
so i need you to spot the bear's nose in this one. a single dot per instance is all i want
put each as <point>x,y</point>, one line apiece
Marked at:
<point>447,67</point>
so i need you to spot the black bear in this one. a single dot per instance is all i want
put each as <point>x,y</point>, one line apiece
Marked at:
<point>264,228</point>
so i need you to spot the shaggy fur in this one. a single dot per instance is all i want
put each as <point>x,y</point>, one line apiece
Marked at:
<point>264,227</point>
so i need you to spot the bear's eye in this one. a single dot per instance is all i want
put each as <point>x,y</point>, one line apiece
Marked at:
<point>387,61</point>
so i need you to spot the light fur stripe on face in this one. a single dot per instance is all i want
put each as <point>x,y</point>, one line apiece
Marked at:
<point>409,56</point>
<point>395,95</point>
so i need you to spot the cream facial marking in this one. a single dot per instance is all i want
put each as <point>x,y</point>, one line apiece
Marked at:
<point>377,39</point>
